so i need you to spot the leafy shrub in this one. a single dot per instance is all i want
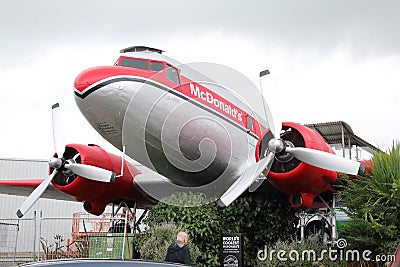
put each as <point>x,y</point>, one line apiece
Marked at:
<point>202,224</point>
<point>157,239</point>
<point>260,223</point>
<point>373,204</point>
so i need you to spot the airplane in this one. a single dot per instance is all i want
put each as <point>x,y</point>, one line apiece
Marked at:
<point>180,128</point>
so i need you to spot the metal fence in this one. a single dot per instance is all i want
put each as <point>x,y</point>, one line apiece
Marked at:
<point>38,238</point>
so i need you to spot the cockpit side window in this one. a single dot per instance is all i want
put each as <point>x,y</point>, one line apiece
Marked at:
<point>250,123</point>
<point>134,63</point>
<point>172,74</point>
<point>156,66</point>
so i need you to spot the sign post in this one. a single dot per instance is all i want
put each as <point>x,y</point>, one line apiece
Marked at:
<point>231,250</point>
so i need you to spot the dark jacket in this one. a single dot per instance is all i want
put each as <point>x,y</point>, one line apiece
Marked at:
<point>178,253</point>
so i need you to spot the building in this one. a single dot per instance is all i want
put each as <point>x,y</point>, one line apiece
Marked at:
<point>13,169</point>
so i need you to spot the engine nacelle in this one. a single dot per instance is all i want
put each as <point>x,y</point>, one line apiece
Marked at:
<point>97,195</point>
<point>302,181</point>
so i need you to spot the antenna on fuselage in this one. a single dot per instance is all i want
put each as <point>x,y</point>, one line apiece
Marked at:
<point>262,74</point>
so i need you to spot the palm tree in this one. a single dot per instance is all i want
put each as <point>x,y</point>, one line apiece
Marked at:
<point>373,204</point>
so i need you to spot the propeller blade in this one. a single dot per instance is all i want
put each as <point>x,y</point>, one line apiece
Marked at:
<point>91,172</point>
<point>241,184</point>
<point>258,182</point>
<point>58,131</point>
<point>274,125</point>
<point>275,128</point>
<point>326,160</point>
<point>35,195</point>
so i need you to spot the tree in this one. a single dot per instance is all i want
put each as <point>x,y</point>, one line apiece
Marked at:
<point>202,223</point>
<point>260,223</point>
<point>373,204</point>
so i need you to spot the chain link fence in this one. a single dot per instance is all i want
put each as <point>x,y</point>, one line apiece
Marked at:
<point>82,236</point>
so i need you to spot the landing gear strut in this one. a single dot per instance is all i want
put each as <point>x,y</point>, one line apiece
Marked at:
<point>319,226</point>
<point>129,214</point>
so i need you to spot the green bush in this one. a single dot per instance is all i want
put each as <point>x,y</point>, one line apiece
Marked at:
<point>202,224</point>
<point>260,223</point>
<point>155,241</point>
<point>373,204</point>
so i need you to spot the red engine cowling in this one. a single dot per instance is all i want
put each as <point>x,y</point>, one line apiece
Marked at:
<point>97,195</point>
<point>302,181</point>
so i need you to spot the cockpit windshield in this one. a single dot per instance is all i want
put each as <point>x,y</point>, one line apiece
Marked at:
<point>172,74</point>
<point>134,63</point>
<point>169,72</point>
<point>156,66</point>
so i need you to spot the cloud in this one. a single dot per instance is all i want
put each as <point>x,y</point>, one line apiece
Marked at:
<point>329,60</point>
<point>365,26</point>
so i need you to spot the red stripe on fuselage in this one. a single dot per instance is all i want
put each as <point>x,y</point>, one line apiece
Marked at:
<point>209,98</point>
<point>189,88</point>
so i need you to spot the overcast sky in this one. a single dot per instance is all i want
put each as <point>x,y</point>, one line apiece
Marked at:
<point>329,60</point>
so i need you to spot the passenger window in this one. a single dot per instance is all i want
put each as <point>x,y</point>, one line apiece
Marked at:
<point>156,66</point>
<point>172,74</point>
<point>250,124</point>
<point>134,63</point>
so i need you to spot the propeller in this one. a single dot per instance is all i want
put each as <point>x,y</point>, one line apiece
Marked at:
<point>273,144</point>
<point>250,179</point>
<point>326,160</point>
<point>66,166</point>
<point>58,134</point>
<point>240,185</point>
<point>35,195</point>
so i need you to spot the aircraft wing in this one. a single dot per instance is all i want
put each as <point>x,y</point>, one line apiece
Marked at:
<point>25,188</point>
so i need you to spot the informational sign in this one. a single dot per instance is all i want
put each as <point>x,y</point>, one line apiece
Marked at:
<point>232,250</point>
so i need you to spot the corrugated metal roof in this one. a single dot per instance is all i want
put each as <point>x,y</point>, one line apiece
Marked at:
<point>334,132</point>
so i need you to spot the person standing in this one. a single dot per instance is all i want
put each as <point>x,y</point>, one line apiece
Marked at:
<point>179,252</point>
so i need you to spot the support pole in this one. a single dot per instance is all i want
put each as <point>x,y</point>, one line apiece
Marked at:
<point>333,218</point>
<point>16,243</point>
<point>344,154</point>
<point>34,233</point>
<point>349,139</point>
<point>40,234</point>
<point>124,235</point>
<point>302,226</point>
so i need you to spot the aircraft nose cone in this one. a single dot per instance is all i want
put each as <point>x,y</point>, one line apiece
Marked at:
<point>89,77</point>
